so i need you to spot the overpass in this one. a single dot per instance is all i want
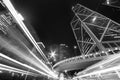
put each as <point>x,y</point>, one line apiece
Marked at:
<point>83,62</point>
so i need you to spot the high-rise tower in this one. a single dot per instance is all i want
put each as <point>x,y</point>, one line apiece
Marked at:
<point>93,31</point>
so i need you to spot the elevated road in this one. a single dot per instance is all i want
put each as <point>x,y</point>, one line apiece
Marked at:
<point>81,62</point>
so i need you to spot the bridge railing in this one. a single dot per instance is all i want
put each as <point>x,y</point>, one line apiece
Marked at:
<point>89,56</point>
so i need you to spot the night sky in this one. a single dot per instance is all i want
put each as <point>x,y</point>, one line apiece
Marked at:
<point>51,18</point>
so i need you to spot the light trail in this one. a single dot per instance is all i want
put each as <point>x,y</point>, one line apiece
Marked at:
<point>105,61</point>
<point>22,25</point>
<point>19,53</point>
<point>16,51</point>
<point>100,64</point>
<point>47,70</point>
<point>29,67</point>
<point>100,71</point>
<point>50,72</point>
<point>9,68</point>
<point>19,39</point>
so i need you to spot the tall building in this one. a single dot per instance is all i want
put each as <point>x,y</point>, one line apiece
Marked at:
<point>98,38</point>
<point>93,31</point>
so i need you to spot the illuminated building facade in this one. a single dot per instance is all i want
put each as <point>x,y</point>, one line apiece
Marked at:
<point>93,31</point>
